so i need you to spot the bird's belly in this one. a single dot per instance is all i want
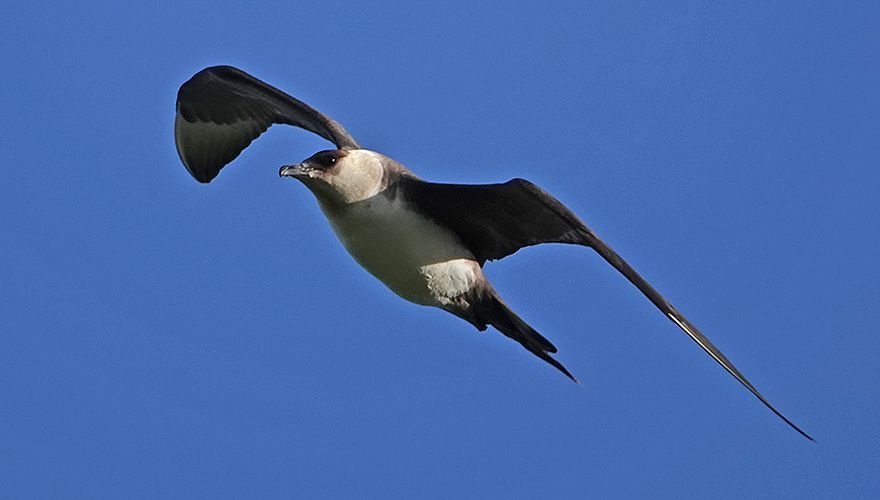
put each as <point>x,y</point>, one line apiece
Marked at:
<point>416,258</point>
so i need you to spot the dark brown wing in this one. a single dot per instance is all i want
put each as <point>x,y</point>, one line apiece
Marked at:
<point>496,220</point>
<point>221,109</point>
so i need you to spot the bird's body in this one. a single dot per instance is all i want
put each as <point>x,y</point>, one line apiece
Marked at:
<point>416,258</point>
<point>425,241</point>
<point>371,203</point>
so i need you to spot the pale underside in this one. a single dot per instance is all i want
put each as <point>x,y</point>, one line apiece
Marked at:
<point>413,256</point>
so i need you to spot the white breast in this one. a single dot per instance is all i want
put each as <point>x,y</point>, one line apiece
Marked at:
<point>416,258</point>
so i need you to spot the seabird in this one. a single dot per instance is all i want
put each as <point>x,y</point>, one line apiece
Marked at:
<point>425,241</point>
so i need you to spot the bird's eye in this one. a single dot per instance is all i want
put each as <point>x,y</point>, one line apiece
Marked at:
<point>328,159</point>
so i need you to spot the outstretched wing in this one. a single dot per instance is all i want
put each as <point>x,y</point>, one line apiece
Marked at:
<point>496,220</point>
<point>221,109</point>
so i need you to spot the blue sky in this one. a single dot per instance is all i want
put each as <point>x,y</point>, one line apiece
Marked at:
<point>163,338</point>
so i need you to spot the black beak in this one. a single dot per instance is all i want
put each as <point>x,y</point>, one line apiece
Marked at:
<point>292,170</point>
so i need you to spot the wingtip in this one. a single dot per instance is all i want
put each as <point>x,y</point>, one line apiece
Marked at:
<point>802,433</point>
<point>203,176</point>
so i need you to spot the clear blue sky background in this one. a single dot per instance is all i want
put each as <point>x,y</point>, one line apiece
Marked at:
<point>165,338</point>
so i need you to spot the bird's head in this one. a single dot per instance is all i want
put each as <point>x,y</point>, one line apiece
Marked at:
<point>340,176</point>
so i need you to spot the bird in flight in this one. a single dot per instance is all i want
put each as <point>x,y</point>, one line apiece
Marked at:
<point>425,241</point>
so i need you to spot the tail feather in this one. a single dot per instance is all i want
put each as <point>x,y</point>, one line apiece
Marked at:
<point>493,311</point>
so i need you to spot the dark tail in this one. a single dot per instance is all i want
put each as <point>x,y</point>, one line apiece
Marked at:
<point>491,310</point>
